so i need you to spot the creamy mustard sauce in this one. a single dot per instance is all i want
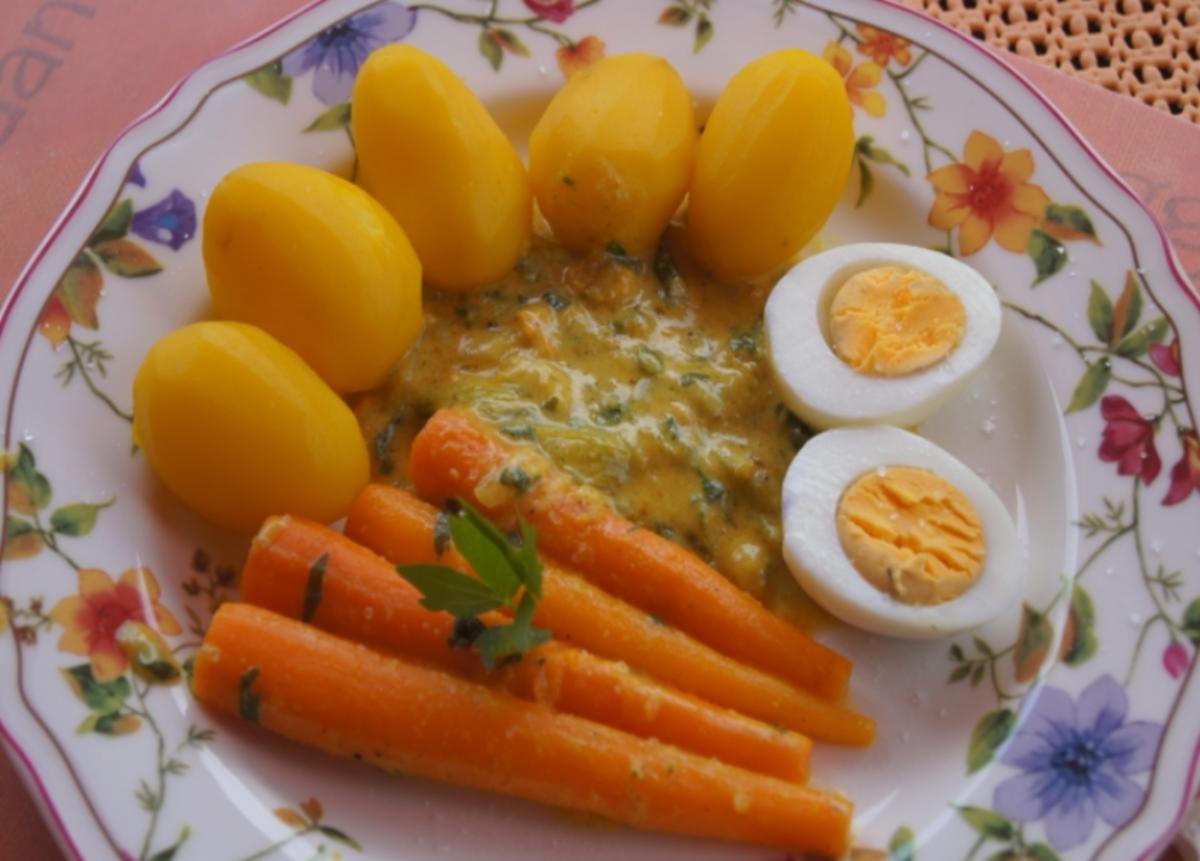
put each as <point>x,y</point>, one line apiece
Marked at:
<point>646,381</point>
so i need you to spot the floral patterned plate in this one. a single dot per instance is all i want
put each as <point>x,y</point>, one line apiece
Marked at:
<point>1067,729</point>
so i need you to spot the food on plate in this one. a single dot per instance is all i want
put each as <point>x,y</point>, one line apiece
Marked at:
<point>432,155</point>
<point>892,534</point>
<point>649,383</point>
<point>878,332</point>
<point>315,261</point>
<point>771,164</point>
<point>238,427</point>
<point>349,700</point>
<point>455,455</point>
<point>306,571</point>
<point>402,529</point>
<point>611,157</point>
<point>610,692</point>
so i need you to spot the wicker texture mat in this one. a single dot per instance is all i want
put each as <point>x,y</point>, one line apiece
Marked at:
<point>1147,49</point>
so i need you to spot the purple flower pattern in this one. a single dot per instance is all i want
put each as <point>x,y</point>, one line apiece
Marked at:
<point>170,222</point>
<point>338,51</point>
<point>1076,758</point>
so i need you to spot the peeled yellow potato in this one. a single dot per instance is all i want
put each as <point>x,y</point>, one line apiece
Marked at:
<point>315,261</point>
<point>430,152</point>
<point>771,164</point>
<point>238,427</point>
<point>611,157</point>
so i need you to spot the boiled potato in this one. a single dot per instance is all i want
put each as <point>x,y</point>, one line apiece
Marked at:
<point>611,157</point>
<point>315,261</point>
<point>771,164</point>
<point>238,427</point>
<point>430,152</point>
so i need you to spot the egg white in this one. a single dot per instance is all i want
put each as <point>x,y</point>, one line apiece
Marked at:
<point>812,488</point>
<point>822,389</point>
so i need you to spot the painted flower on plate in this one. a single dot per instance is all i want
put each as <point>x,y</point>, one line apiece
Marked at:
<point>337,52</point>
<point>882,46</point>
<point>988,194</point>
<point>1185,475</point>
<point>170,222</point>
<point>1075,760</point>
<point>1167,358</point>
<point>552,10</point>
<point>91,618</point>
<point>1176,659</point>
<point>860,80</point>
<point>579,55</point>
<point>1128,440</point>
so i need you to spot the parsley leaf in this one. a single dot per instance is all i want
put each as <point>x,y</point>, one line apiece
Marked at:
<point>502,643</point>
<point>445,589</point>
<point>508,575</point>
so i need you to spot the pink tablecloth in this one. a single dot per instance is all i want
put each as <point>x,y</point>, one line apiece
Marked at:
<point>72,75</point>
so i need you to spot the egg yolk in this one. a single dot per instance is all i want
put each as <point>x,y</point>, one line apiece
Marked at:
<point>890,321</point>
<point>911,534</point>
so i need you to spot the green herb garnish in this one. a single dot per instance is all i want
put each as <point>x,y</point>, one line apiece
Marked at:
<point>509,575</point>
<point>556,301</point>
<point>517,478</point>
<point>518,431</point>
<point>616,252</point>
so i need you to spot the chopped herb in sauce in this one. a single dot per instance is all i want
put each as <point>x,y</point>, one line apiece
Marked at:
<point>746,341</point>
<point>665,531</point>
<point>713,490</point>
<point>519,431</point>
<point>517,478</point>
<point>383,443</point>
<point>672,286</point>
<point>650,361</point>
<point>556,301</point>
<point>566,180</point>
<point>693,377</point>
<point>610,414</point>
<point>616,252</point>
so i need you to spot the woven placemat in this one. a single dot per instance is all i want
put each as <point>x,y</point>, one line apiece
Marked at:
<point>1146,49</point>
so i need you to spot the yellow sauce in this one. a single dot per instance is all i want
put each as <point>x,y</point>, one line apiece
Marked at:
<point>911,534</point>
<point>647,382</point>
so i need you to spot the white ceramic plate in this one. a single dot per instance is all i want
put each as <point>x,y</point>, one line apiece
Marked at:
<point>1067,729</point>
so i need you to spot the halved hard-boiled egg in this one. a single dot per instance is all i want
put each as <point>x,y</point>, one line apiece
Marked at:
<point>877,332</point>
<point>892,534</point>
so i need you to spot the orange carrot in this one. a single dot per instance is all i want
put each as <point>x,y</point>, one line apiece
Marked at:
<point>307,571</point>
<point>346,699</point>
<point>455,455</point>
<point>400,528</point>
<point>310,572</point>
<point>608,692</point>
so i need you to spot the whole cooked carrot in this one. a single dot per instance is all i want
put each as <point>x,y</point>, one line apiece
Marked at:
<point>349,700</point>
<point>608,692</point>
<point>299,568</point>
<point>307,571</point>
<point>455,455</point>
<point>400,528</point>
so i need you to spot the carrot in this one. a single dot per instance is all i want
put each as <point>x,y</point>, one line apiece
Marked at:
<point>348,700</point>
<point>608,692</point>
<point>455,455</point>
<point>400,527</point>
<point>299,568</point>
<point>307,571</point>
